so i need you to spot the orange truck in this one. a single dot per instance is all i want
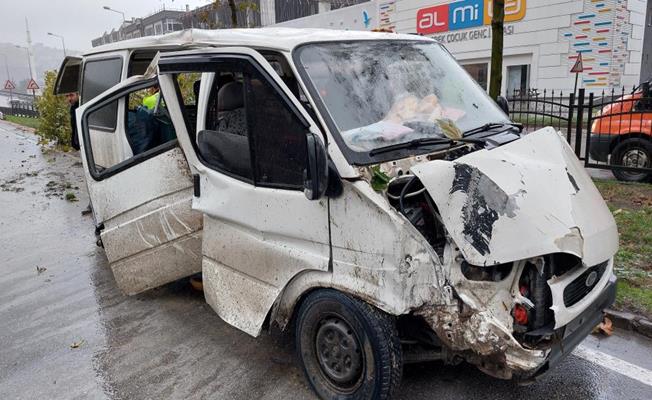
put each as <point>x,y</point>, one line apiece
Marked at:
<point>621,134</point>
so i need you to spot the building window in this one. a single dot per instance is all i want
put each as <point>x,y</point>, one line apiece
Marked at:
<point>478,72</point>
<point>518,79</point>
<point>158,28</point>
<point>149,30</point>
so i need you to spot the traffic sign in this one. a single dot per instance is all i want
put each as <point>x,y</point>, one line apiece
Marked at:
<point>579,65</point>
<point>32,85</point>
<point>9,85</point>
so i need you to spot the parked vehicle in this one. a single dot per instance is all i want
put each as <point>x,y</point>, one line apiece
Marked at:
<point>359,187</point>
<point>622,134</point>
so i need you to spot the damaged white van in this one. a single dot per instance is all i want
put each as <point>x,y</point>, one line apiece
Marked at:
<point>358,187</point>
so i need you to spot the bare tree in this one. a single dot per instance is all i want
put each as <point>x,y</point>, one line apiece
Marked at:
<point>497,25</point>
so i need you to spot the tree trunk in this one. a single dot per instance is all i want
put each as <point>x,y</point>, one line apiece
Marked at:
<point>234,15</point>
<point>497,23</point>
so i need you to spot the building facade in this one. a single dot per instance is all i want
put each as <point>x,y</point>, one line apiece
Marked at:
<point>542,41</point>
<point>158,23</point>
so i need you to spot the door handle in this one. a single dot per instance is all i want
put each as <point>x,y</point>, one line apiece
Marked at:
<point>195,183</point>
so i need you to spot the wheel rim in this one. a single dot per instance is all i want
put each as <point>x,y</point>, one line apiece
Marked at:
<point>339,353</point>
<point>635,157</point>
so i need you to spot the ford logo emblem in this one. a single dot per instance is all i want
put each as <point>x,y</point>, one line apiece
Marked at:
<point>591,279</point>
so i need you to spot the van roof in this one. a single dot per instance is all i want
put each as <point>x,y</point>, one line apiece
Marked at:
<point>276,38</point>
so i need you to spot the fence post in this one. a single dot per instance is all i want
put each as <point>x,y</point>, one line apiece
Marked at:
<point>589,120</point>
<point>569,127</point>
<point>578,127</point>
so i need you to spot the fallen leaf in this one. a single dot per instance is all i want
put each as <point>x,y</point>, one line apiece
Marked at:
<point>40,270</point>
<point>76,345</point>
<point>618,211</point>
<point>605,327</point>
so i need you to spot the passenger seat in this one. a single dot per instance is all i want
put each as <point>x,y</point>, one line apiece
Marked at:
<point>230,106</point>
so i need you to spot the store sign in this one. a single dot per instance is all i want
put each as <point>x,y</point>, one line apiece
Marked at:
<point>464,14</point>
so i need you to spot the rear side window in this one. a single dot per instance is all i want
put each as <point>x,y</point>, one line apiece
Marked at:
<point>100,75</point>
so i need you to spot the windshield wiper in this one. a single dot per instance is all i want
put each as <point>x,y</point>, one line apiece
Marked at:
<point>415,143</point>
<point>492,125</point>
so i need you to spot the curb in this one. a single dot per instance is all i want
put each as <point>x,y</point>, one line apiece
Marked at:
<point>630,322</point>
<point>19,126</point>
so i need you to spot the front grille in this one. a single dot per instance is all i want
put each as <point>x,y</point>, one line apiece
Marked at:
<point>581,286</point>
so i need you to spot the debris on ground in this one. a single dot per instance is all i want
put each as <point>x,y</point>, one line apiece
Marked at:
<point>76,345</point>
<point>197,283</point>
<point>40,270</point>
<point>605,327</point>
<point>71,197</point>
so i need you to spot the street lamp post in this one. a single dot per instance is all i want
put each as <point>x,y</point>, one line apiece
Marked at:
<point>7,66</point>
<point>11,92</point>
<point>124,20</point>
<point>63,42</point>
<point>116,11</point>
<point>29,64</point>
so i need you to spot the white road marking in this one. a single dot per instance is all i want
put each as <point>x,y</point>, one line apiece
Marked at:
<point>625,368</point>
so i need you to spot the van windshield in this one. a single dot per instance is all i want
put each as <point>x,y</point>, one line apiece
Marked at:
<point>379,93</point>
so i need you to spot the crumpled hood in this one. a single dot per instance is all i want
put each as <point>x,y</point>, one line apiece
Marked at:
<point>527,198</point>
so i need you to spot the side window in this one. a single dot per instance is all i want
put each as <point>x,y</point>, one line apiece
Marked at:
<point>224,144</point>
<point>148,127</point>
<point>148,123</point>
<point>189,83</point>
<point>251,131</point>
<point>98,76</point>
<point>278,136</point>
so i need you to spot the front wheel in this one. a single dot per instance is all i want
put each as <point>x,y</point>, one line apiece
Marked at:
<point>634,152</point>
<point>348,349</point>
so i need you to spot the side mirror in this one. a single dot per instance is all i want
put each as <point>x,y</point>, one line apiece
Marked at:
<point>315,176</point>
<point>503,104</point>
<point>645,89</point>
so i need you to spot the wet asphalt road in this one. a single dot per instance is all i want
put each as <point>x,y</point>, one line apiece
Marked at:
<point>167,343</point>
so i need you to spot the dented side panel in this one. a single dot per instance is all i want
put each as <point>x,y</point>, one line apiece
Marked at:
<point>154,244</point>
<point>255,241</point>
<point>391,264</point>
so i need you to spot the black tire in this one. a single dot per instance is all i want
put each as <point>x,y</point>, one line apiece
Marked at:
<point>365,360</point>
<point>630,152</point>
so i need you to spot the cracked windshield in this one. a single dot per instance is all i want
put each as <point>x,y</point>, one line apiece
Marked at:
<point>382,93</point>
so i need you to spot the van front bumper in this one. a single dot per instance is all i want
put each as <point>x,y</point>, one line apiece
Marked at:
<point>579,328</point>
<point>482,341</point>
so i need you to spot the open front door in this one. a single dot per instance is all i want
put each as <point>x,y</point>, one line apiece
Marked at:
<point>248,152</point>
<point>142,201</point>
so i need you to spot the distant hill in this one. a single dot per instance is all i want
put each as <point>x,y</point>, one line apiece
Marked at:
<point>45,57</point>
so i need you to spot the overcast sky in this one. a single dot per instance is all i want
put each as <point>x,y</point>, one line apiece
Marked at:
<point>78,21</point>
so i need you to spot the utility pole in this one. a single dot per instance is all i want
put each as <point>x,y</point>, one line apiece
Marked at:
<point>30,54</point>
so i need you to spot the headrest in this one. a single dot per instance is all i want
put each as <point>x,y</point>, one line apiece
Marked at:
<point>230,97</point>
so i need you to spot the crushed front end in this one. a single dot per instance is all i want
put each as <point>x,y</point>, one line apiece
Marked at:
<point>526,244</point>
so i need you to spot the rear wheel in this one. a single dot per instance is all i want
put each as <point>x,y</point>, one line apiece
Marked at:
<point>349,349</point>
<point>636,153</point>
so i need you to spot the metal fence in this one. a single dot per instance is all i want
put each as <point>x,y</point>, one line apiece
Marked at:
<point>610,130</point>
<point>21,109</point>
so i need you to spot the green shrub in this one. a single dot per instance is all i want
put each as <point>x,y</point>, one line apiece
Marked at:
<point>54,113</point>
